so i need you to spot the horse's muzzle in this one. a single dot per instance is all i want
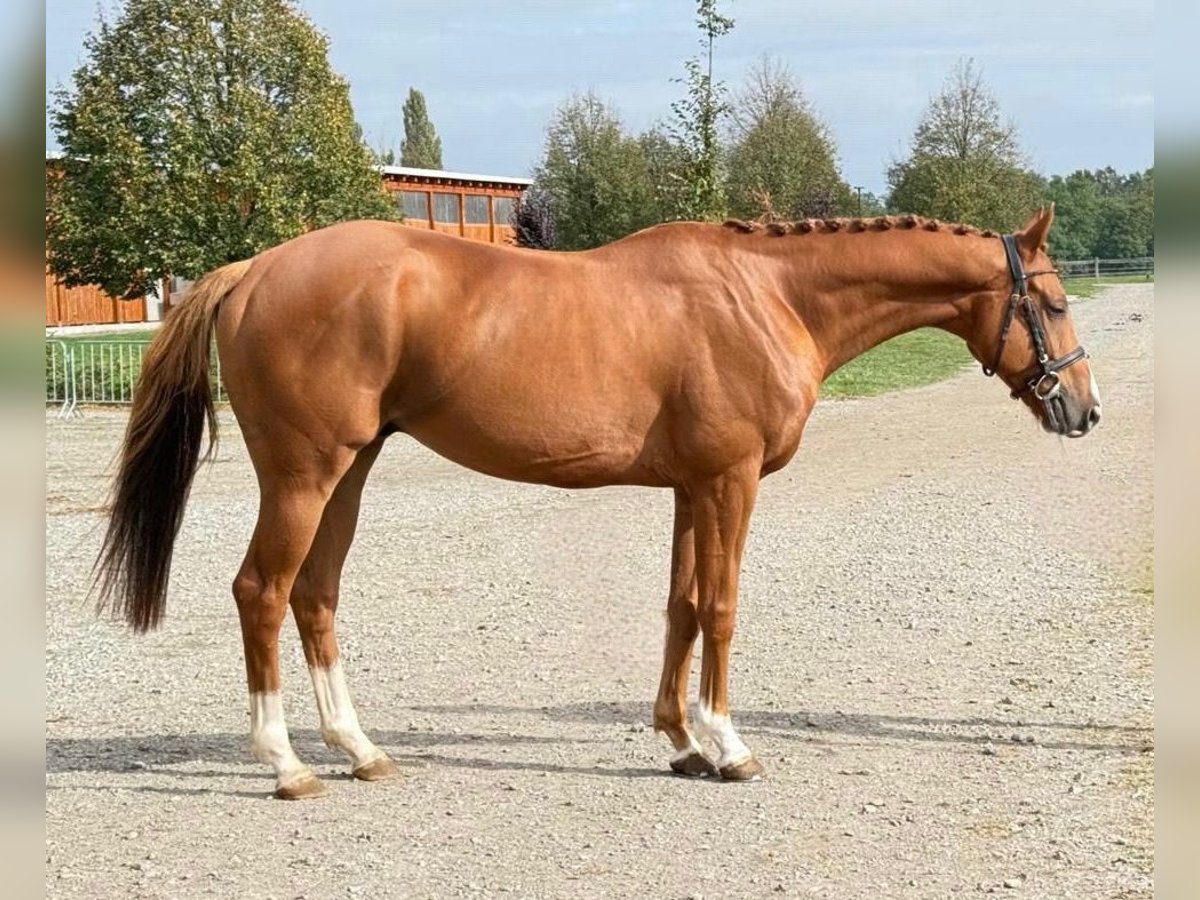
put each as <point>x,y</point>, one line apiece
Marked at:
<point>1060,418</point>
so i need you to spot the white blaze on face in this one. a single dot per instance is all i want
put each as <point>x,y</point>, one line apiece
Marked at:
<point>269,737</point>
<point>339,721</point>
<point>719,729</point>
<point>1095,391</point>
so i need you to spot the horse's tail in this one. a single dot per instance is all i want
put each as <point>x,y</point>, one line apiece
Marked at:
<point>160,455</point>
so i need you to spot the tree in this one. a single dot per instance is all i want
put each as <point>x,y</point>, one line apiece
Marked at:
<point>421,147</point>
<point>1144,203</point>
<point>695,120</point>
<point>1102,213</point>
<point>594,175</point>
<point>1077,207</point>
<point>868,204</point>
<point>965,164</point>
<point>1127,217</point>
<point>782,154</point>
<point>196,134</point>
<point>1121,235</point>
<point>667,163</point>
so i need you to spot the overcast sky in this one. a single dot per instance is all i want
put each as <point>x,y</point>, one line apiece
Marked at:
<point>1076,77</point>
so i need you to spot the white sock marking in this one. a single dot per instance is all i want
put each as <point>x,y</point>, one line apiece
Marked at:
<point>339,721</point>
<point>269,737</point>
<point>692,747</point>
<point>719,729</point>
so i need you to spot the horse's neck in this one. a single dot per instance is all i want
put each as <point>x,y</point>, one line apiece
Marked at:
<point>856,297</point>
<point>851,323</point>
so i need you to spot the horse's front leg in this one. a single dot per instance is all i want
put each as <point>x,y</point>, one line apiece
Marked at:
<point>721,512</point>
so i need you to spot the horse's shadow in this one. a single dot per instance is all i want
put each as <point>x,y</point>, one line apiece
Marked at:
<point>812,725</point>
<point>133,753</point>
<point>128,754</point>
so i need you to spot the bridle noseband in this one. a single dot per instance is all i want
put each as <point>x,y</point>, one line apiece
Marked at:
<point>1043,378</point>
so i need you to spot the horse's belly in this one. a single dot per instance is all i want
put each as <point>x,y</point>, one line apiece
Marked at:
<point>560,450</point>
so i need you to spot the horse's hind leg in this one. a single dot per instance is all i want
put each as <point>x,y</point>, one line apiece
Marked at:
<point>295,485</point>
<point>314,604</point>
<point>670,709</point>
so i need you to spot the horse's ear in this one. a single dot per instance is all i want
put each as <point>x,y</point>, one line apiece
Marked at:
<point>1036,233</point>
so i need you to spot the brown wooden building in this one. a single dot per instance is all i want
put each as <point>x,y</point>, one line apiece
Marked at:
<point>88,305</point>
<point>477,207</point>
<point>472,206</point>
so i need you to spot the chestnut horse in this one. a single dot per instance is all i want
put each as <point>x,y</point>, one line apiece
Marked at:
<point>687,356</point>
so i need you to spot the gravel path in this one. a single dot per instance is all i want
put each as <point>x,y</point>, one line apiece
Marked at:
<point>944,657</point>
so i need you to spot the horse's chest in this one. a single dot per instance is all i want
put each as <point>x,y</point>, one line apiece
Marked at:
<point>783,411</point>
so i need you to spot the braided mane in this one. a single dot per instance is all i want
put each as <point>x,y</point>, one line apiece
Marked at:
<point>854,226</point>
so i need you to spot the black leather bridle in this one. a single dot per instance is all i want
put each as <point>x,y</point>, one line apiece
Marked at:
<point>1043,378</point>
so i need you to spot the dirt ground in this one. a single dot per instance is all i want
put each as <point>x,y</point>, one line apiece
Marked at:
<point>944,658</point>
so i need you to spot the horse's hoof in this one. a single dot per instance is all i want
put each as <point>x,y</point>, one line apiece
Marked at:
<point>379,769</point>
<point>747,770</point>
<point>304,788</point>
<point>694,765</point>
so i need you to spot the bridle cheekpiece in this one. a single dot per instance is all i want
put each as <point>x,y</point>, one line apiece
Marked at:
<point>1043,378</point>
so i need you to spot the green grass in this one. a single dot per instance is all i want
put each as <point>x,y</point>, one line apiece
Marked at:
<point>1090,287</point>
<point>919,357</point>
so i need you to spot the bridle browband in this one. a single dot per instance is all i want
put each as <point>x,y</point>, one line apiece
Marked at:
<point>1043,378</point>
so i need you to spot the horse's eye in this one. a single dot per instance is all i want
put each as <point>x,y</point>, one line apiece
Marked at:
<point>1056,308</point>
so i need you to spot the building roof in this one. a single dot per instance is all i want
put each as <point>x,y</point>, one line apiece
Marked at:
<point>440,175</point>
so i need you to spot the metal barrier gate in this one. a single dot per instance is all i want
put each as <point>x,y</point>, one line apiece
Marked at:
<point>102,373</point>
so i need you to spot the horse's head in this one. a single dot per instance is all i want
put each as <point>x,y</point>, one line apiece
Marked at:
<point>1024,334</point>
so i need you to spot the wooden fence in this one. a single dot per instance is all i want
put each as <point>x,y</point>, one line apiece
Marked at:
<point>88,305</point>
<point>1099,268</point>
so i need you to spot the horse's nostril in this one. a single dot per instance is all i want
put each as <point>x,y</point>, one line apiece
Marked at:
<point>1094,416</point>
